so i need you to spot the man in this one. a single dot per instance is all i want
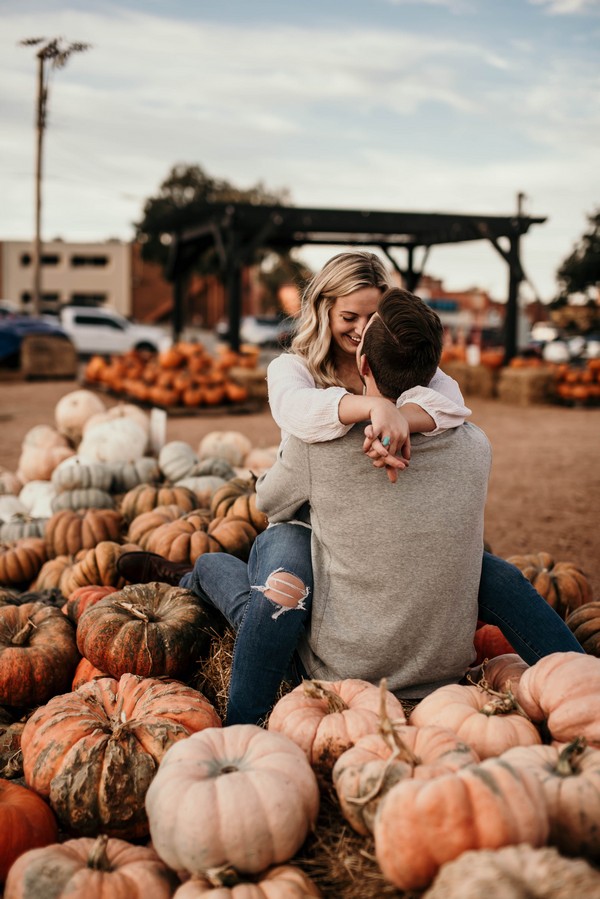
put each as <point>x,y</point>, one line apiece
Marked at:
<point>396,565</point>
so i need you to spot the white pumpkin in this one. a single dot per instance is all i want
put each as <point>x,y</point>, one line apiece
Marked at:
<point>44,437</point>
<point>82,475</point>
<point>11,507</point>
<point>121,410</point>
<point>9,482</point>
<point>204,487</point>
<point>126,476</point>
<point>120,440</point>
<point>230,445</point>
<point>73,410</point>
<point>258,460</point>
<point>177,460</point>
<point>37,498</point>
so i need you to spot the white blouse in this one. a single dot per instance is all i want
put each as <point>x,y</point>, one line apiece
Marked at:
<point>311,413</point>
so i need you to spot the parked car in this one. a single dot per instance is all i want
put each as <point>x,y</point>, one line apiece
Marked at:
<point>104,331</point>
<point>262,330</point>
<point>14,328</point>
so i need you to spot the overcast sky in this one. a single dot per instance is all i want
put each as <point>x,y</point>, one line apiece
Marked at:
<point>409,105</point>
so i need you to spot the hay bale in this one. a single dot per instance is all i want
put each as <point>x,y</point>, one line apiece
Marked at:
<point>460,372</point>
<point>482,381</point>
<point>48,356</point>
<point>526,386</point>
<point>253,379</point>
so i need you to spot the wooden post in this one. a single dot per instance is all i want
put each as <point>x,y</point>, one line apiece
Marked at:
<point>37,243</point>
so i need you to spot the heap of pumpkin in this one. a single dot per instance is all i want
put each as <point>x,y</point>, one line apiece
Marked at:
<point>184,375</point>
<point>133,787</point>
<point>580,384</point>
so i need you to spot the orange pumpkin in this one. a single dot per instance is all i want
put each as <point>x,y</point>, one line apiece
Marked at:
<point>146,497</point>
<point>84,597</point>
<point>26,822</point>
<point>143,525</point>
<point>21,561</point>
<point>584,623</point>
<point>84,673</point>
<point>281,882</point>
<point>489,641</point>
<point>564,586</point>
<point>68,531</point>
<point>95,566</point>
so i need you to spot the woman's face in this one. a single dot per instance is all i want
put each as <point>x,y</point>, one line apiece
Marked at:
<point>348,318</point>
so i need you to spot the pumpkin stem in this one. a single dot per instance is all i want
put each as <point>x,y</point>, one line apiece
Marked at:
<point>568,760</point>
<point>98,858</point>
<point>22,636</point>
<point>225,876</point>
<point>135,611</point>
<point>503,703</point>
<point>316,690</point>
<point>389,732</point>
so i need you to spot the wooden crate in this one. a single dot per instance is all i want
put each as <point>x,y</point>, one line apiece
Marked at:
<point>48,356</point>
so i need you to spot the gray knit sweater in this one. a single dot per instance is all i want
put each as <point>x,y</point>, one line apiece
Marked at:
<point>396,566</point>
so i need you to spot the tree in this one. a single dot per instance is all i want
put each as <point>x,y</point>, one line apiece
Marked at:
<point>580,272</point>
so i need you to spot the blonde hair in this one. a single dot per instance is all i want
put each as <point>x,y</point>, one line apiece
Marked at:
<point>341,275</point>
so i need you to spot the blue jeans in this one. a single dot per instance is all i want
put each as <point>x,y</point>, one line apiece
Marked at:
<point>267,634</point>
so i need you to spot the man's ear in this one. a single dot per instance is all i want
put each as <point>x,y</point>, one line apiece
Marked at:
<point>363,366</point>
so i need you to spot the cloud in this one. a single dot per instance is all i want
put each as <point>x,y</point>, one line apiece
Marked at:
<point>568,7</point>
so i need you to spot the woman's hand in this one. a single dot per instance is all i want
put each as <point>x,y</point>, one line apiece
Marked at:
<point>387,438</point>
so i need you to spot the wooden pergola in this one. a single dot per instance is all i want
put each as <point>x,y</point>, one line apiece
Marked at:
<point>238,230</point>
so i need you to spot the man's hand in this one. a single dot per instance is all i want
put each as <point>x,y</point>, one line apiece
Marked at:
<point>392,463</point>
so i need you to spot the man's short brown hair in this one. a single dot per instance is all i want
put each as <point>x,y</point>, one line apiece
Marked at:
<point>403,343</point>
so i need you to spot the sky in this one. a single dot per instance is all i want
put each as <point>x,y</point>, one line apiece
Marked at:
<point>405,105</point>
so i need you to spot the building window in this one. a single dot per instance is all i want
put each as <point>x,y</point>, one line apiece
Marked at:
<point>47,259</point>
<point>50,299</point>
<point>88,299</point>
<point>89,261</point>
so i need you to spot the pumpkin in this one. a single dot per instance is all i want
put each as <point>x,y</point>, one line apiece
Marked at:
<point>84,597</point>
<point>21,526</point>
<point>127,475</point>
<point>570,776</point>
<point>489,641</point>
<point>143,525</point>
<point>9,482</point>
<point>11,761</point>
<point>204,486</point>
<point>86,672</point>
<point>229,445</point>
<point>259,459</point>
<point>146,497</point>
<point>21,561</point>
<point>327,718</point>
<point>184,539</point>
<point>93,752</point>
<point>232,535</point>
<point>36,463</point>
<point>214,467</point>
<point>83,499</point>
<point>69,531</point>
<point>41,436</point>
<point>503,673</point>
<point>562,692</point>
<point>247,796</point>
<point>564,586</point>
<point>177,460</point>
<point>73,474</point>
<point>38,653</point>
<point>120,410</point>
<point>237,488</point>
<point>26,822</point>
<point>422,824</point>
<point>95,566</point>
<point>10,507</point>
<point>281,882</point>
<point>146,629</point>
<point>584,623</point>
<point>120,440</point>
<point>365,772</point>
<point>52,571</point>
<point>515,872</point>
<point>37,498</point>
<point>90,869</point>
<point>488,721</point>
<point>73,410</point>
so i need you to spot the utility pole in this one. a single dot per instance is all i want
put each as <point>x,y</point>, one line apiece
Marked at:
<point>53,53</point>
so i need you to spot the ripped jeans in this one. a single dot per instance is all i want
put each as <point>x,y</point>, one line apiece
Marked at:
<point>267,602</point>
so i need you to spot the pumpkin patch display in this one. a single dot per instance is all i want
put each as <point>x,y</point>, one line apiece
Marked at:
<point>69,531</point>
<point>152,630</point>
<point>564,586</point>
<point>90,869</point>
<point>247,796</point>
<point>26,822</point>
<point>327,718</point>
<point>94,752</point>
<point>421,824</point>
<point>38,654</point>
<point>281,882</point>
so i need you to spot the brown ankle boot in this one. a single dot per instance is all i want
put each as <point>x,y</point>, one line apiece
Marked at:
<point>143,568</point>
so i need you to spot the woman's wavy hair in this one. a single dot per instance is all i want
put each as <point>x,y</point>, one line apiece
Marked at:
<point>341,275</point>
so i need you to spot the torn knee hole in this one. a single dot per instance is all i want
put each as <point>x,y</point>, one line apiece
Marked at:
<point>285,589</point>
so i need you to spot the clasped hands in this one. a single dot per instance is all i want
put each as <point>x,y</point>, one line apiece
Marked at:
<point>394,453</point>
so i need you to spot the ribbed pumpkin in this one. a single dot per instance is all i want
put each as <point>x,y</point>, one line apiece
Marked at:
<point>281,882</point>
<point>143,526</point>
<point>229,445</point>
<point>21,561</point>
<point>327,718</point>
<point>69,531</point>
<point>38,654</point>
<point>570,776</point>
<point>91,869</point>
<point>153,630</point>
<point>422,824</point>
<point>91,498</point>
<point>26,822</point>
<point>146,497</point>
<point>184,539</point>
<point>489,724</point>
<point>86,672</point>
<point>96,566</point>
<point>232,535</point>
<point>489,642</point>
<point>562,693</point>
<point>127,475</point>
<point>503,673</point>
<point>21,526</point>
<point>204,487</point>
<point>584,623</point>
<point>202,781</point>
<point>177,460</point>
<point>238,498</point>
<point>94,752</point>
<point>564,586</point>
<point>52,571</point>
<point>84,597</point>
<point>77,475</point>
<point>214,467</point>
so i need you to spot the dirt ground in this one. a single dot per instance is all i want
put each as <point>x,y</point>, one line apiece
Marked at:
<point>545,486</point>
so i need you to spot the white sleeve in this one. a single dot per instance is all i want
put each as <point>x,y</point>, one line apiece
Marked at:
<point>298,406</point>
<point>442,399</point>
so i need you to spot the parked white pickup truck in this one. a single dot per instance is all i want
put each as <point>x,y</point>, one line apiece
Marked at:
<point>104,331</point>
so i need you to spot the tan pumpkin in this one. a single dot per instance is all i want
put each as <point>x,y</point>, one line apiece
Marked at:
<point>143,526</point>
<point>232,535</point>
<point>90,869</point>
<point>422,824</point>
<point>327,718</point>
<point>489,722</point>
<point>96,566</point>
<point>561,692</point>
<point>515,872</point>
<point>281,882</point>
<point>153,630</point>
<point>584,624</point>
<point>36,463</point>
<point>94,752</point>
<point>224,498</point>
<point>203,779</point>
<point>52,571</point>
<point>38,653</point>
<point>21,561</point>
<point>564,586</point>
<point>69,531</point>
<point>229,445</point>
<point>184,539</point>
<point>146,497</point>
<point>26,822</point>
